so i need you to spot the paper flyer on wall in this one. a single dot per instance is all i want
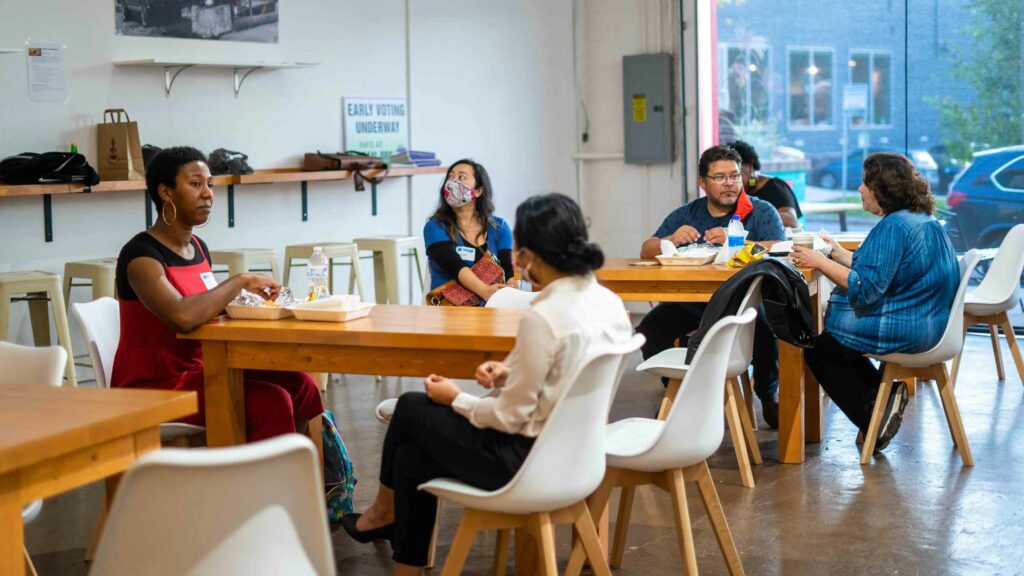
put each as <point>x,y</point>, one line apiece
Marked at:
<point>46,80</point>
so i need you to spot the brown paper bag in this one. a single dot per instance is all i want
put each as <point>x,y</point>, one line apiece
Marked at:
<point>119,152</point>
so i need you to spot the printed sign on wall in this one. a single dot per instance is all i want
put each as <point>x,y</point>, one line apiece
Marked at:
<point>375,126</point>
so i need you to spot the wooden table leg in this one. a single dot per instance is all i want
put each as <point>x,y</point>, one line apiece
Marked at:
<point>12,533</point>
<point>225,397</point>
<point>791,404</point>
<point>812,391</point>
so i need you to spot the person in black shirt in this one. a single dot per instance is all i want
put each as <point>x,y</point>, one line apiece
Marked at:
<point>775,191</point>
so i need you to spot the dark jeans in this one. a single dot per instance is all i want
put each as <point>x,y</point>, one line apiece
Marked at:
<point>426,441</point>
<point>671,320</point>
<point>849,379</point>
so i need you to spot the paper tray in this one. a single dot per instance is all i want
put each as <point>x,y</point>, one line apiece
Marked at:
<point>331,315</point>
<point>257,312</point>
<point>685,260</point>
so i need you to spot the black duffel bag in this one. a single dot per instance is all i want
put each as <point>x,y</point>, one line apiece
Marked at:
<point>48,168</point>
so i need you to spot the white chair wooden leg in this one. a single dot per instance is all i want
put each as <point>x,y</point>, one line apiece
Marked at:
<point>618,550</point>
<point>460,546</point>
<point>748,399</point>
<point>739,443</point>
<point>681,516</point>
<point>502,542</point>
<point>953,418</point>
<point>997,352</point>
<point>716,516</point>
<point>1011,339</point>
<point>545,534</point>
<point>748,428</point>
<point>432,551</point>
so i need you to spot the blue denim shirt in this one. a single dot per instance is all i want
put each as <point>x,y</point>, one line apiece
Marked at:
<point>901,287</point>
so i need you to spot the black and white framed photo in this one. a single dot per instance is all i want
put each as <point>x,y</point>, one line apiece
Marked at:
<point>236,20</point>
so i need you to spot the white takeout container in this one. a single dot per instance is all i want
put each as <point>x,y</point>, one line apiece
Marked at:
<point>257,312</point>
<point>687,258</point>
<point>332,309</point>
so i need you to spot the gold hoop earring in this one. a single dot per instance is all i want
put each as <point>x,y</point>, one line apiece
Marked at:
<point>163,213</point>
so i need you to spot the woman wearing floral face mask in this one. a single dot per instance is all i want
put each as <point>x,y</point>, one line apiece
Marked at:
<point>464,228</point>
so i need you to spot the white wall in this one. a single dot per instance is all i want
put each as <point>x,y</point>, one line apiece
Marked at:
<point>491,80</point>
<point>625,202</point>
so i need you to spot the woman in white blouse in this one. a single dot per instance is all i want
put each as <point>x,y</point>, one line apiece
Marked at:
<point>483,441</point>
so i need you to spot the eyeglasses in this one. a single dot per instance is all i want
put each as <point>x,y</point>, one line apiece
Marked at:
<point>721,178</point>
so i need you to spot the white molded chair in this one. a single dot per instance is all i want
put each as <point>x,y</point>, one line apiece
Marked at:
<point>929,365</point>
<point>671,364</point>
<point>246,510</point>
<point>31,365</point>
<point>998,293</point>
<point>542,494</point>
<point>100,323</point>
<point>668,452</point>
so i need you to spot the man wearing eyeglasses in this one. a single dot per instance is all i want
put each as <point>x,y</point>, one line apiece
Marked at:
<point>705,220</point>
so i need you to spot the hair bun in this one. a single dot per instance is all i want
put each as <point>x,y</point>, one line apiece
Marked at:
<point>586,253</point>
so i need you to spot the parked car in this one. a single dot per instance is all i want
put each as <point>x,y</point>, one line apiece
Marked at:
<point>986,199</point>
<point>829,174</point>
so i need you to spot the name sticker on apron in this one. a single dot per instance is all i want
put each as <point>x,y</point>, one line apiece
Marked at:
<point>466,253</point>
<point>208,280</point>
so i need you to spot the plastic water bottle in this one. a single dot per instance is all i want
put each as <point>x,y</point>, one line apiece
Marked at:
<point>737,235</point>
<point>316,272</point>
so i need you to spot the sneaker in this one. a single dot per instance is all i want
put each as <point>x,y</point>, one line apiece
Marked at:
<point>893,416</point>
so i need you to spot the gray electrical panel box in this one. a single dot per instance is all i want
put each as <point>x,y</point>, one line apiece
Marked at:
<point>647,108</point>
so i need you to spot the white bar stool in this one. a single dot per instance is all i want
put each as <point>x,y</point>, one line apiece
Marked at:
<point>99,272</point>
<point>387,251</point>
<point>37,288</point>
<point>100,275</point>
<point>241,260</point>
<point>333,251</point>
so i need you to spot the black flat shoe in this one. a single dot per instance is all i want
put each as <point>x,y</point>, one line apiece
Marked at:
<point>348,522</point>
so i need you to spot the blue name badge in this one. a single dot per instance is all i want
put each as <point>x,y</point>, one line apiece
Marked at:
<point>466,253</point>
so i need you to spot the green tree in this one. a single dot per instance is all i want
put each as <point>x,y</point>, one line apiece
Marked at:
<point>990,63</point>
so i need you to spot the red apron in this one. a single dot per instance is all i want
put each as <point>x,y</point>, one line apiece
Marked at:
<point>149,354</point>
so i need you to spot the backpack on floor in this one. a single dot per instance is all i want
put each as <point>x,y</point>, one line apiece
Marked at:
<point>339,476</point>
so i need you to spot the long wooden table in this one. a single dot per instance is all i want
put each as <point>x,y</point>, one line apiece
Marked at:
<point>394,340</point>
<point>55,439</point>
<point>799,394</point>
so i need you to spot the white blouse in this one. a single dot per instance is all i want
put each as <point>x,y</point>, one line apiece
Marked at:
<point>570,317</point>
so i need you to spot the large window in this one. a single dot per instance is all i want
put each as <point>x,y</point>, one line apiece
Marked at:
<point>810,87</point>
<point>938,81</point>
<point>744,84</point>
<point>873,69</point>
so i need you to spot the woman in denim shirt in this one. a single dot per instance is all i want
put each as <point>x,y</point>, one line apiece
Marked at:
<point>892,295</point>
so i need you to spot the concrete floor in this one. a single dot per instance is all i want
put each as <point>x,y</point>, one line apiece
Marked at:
<point>915,510</point>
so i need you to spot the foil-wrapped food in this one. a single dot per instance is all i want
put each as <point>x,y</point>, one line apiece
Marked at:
<point>252,299</point>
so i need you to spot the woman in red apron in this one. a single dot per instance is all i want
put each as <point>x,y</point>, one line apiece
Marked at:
<point>166,286</point>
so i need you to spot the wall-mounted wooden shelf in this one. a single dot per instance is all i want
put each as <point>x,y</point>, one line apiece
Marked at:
<point>268,176</point>
<point>242,70</point>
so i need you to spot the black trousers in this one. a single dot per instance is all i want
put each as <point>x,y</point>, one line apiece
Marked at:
<point>426,441</point>
<point>671,320</point>
<point>850,379</point>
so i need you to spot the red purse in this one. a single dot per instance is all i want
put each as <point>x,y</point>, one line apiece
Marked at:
<point>451,293</point>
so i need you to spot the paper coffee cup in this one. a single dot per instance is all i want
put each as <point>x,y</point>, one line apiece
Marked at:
<point>805,240</point>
